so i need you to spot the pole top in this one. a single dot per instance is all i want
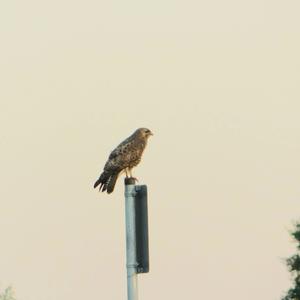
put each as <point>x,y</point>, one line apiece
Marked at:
<point>129,181</point>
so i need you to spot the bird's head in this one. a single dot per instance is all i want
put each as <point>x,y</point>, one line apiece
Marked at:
<point>144,132</point>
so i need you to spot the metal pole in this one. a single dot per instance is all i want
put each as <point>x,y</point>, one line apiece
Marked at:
<point>131,260</point>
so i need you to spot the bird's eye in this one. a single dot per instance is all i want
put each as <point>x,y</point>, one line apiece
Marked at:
<point>147,130</point>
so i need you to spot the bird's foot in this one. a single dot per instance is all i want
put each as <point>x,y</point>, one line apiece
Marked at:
<point>130,180</point>
<point>134,178</point>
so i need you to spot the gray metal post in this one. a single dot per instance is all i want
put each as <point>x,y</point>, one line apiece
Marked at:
<point>131,259</point>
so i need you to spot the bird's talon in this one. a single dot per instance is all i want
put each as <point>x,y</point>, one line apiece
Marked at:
<point>135,179</point>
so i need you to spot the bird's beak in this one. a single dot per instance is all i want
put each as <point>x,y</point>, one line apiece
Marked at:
<point>150,133</point>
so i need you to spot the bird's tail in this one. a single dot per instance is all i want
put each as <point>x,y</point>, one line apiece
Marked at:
<point>107,182</point>
<point>112,182</point>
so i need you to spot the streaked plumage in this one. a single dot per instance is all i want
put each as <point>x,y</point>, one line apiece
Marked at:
<point>126,156</point>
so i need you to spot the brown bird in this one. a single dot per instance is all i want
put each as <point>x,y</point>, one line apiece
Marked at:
<point>126,156</point>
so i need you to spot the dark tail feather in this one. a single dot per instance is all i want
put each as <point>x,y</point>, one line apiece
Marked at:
<point>112,182</point>
<point>102,180</point>
<point>97,183</point>
<point>107,182</point>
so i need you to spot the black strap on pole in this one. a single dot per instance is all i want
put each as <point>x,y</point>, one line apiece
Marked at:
<point>141,223</point>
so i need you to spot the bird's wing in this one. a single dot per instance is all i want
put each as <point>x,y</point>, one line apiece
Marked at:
<point>122,149</point>
<point>120,157</point>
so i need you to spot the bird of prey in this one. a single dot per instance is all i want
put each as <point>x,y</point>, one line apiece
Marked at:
<point>123,158</point>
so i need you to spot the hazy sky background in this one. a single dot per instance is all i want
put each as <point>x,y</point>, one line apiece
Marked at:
<point>218,84</point>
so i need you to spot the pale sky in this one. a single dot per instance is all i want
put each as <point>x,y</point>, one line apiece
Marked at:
<point>218,84</point>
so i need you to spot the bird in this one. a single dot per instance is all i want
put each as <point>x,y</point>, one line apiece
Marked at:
<point>124,157</point>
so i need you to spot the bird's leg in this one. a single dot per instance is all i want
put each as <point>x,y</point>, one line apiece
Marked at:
<point>126,173</point>
<point>130,173</point>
